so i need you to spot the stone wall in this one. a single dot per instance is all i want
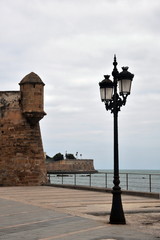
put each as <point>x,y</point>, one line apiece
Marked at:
<point>69,165</point>
<point>21,151</point>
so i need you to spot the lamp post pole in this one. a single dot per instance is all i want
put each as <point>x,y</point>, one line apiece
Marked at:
<point>117,214</point>
<point>113,101</point>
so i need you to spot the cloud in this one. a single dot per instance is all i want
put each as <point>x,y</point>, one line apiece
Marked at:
<point>70,44</point>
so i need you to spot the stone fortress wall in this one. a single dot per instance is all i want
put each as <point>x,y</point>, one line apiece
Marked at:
<point>21,152</point>
<point>69,166</point>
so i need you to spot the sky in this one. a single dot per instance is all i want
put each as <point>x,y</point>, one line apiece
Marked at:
<point>70,44</point>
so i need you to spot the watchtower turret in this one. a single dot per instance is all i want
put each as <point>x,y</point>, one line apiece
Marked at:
<point>32,88</point>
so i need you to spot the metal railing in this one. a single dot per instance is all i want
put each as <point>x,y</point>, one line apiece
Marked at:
<point>129,181</point>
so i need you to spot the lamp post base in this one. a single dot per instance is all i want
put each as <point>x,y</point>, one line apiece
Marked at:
<point>117,214</point>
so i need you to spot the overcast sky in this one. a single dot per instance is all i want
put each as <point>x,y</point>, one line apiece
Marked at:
<point>70,44</point>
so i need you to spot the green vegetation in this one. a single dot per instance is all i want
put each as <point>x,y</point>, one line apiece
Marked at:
<point>70,156</point>
<point>59,156</point>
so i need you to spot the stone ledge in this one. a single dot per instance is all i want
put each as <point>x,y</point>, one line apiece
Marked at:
<point>109,190</point>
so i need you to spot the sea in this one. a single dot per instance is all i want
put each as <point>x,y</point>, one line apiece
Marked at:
<point>133,180</point>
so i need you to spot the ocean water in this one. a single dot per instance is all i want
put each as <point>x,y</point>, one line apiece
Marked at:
<point>133,180</point>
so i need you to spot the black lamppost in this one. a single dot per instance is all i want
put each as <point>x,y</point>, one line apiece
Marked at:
<point>114,101</point>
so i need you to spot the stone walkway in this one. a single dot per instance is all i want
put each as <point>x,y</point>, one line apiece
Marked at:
<point>46,213</point>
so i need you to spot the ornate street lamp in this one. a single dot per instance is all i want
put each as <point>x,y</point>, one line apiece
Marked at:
<point>114,101</point>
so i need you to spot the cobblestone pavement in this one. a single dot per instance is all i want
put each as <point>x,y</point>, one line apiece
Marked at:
<point>46,213</point>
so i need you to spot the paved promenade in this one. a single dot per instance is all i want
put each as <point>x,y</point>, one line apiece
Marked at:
<point>46,213</point>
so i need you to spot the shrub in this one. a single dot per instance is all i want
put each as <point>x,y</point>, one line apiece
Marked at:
<point>58,157</point>
<point>70,156</point>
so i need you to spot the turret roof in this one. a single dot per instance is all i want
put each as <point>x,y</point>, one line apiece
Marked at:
<point>31,78</point>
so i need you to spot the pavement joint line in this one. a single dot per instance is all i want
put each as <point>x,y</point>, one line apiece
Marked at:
<point>72,233</point>
<point>13,214</point>
<point>30,223</point>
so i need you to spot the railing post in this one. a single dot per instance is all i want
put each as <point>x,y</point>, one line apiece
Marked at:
<point>49,178</point>
<point>90,181</point>
<point>126,181</point>
<point>62,178</point>
<point>75,179</point>
<point>150,183</point>
<point>106,180</point>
